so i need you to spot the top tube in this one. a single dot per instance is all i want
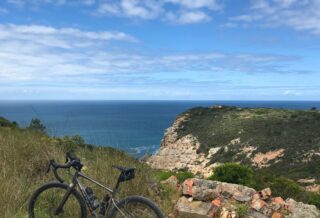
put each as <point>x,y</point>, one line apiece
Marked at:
<point>95,182</point>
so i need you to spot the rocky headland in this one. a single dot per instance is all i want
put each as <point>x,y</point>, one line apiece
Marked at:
<point>284,142</point>
<point>276,142</point>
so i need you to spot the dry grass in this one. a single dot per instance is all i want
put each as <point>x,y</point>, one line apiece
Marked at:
<point>24,156</point>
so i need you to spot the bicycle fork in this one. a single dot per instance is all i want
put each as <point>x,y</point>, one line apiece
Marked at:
<point>64,199</point>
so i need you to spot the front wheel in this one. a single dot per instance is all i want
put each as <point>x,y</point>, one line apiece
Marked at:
<point>136,207</point>
<point>46,199</point>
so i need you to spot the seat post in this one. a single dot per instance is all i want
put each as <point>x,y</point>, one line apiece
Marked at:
<point>116,188</point>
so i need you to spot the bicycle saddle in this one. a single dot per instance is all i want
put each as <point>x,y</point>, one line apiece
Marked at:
<point>122,169</point>
<point>126,173</point>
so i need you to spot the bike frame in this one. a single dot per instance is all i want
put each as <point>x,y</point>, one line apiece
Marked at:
<point>76,182</point>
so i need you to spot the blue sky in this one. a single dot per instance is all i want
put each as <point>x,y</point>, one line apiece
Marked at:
<point>160,49</point>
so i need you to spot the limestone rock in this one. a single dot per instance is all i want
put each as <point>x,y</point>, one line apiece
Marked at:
<point>181,153</point>
<point>265,193</point>
<point>206,198</point>
<point>277,215</point>
<point>313,188</point>
<point>307,181</point>
<point>206,190</point>
<point>194,209</point>
<point>255,214</point>
<point>299,209</point>
<point>172,181</point>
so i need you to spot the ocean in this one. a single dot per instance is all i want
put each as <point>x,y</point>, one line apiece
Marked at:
<point>133,126</point>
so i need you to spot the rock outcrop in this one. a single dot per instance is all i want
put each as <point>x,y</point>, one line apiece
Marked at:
<point>181,153</point>
<point>204,198</point>
<point>202,138</point>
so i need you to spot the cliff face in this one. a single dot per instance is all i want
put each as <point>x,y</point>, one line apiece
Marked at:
<point>180,153</point>
<point>284,142</point>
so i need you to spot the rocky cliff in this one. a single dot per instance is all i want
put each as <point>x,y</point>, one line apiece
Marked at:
<point>284,142</point>
<point>181,153</point>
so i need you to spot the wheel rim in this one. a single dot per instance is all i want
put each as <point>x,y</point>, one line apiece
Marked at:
<point>136,210</point>
<point>48,201</point>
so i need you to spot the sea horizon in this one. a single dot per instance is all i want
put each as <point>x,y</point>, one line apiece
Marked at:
<point>134,126</point>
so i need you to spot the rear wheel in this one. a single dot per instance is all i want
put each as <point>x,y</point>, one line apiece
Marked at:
<point>47,198</point>
<point>136,207</point>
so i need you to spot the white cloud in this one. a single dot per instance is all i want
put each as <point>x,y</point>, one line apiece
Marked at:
<point>292,93</point>
<point>54,37</point>
<point>131,8</point>
<point>188,17</point>
<point>32,3</point>
<point>40,58</point>
<point>302,15</point>
<point>196,4</point>
<point>175,11</point>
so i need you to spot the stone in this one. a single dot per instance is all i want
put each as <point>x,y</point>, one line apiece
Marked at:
<point>216,202</point>
<point>194,209</point>
<point>200,189</point>
<point>257,204</point>
<point>239,196</point>
<point>299,209</point>
<point>172,181</point>
<point>187,187</point>
<point>224,213</point>
<point>265,193</point>
<point>276,215</point>
<point>307,181</point>
<point>278,200</point>
<point>277,203</point>
<point>255,214</point>
<point>313,188</point>
<point>229,188</point>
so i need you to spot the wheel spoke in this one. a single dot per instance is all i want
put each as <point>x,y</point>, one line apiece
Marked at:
<point>49,200</point>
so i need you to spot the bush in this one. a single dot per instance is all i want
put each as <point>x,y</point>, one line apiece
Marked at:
<point>233,173</point>
<point>73,143</point>
<point>286,188</point>
<point>290,189</point>
<point>181,175</point>
<point>6,123</point>
<point>242,210</point>
<point>36,125</point>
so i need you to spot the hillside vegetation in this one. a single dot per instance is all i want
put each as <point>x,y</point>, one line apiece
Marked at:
<point>24,154</point>
<point>283,142</point>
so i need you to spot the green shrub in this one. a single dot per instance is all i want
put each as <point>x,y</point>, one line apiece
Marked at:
<point>290,189</point>
<point>73,143</point>
<point>286,188</point>
<point>163,175</point>
<point>242,210</point>
<point>6,123</point>
<point>181,175</point>
<point>37,126</point>
<point>233,173</point>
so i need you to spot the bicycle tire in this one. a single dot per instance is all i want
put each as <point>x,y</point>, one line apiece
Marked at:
<point>57,185</point>
<point>136,199</point>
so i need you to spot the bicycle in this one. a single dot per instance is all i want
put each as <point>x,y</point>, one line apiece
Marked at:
<point>65,196</point>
